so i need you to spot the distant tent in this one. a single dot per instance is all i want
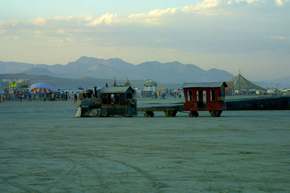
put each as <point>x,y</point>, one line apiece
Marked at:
<point>241,85</point>
<point>41,88</point>
<point>2,85</point>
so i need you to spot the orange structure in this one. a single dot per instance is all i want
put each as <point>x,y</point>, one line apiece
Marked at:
<point>208,96</point>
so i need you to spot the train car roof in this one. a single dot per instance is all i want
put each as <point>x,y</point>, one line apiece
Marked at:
<point>205,85</point>
<point>116,89</point>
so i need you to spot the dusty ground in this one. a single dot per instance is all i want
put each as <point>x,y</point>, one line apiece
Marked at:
<point>43,149</point>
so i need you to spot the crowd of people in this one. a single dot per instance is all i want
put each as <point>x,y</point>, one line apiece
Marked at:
<point>24,91</point>
<point>26,95</point>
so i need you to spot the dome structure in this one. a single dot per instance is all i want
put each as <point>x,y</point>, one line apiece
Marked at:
<point>41,88</point>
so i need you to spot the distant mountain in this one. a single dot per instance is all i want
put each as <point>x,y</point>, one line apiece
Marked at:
<point>69,83</point>
<point>38,71</point>
<point>172,72</point>
<point>14,67</point>
<point>277,83</point>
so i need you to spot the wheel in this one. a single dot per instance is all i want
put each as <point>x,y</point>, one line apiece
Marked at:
<point>79,112</point>
<point>104,113</point>
<point>193,114</point>
<point>174,113</point>
<point>219,113</point>
<point>216,113</point>
<point>171,113</point>
<point>149,114</point>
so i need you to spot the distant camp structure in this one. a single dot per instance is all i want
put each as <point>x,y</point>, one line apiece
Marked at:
<point>41,88</point>
<point>150,88</point>
<point>20,90</point>
<point>239,85</point>
<point>14,89</point>
<point>17,85</point>
<point>2,91</point>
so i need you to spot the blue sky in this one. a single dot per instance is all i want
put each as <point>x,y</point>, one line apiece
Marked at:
<point>250,36</point>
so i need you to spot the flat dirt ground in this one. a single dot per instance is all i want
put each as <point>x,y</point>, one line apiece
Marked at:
<point>44,149</point>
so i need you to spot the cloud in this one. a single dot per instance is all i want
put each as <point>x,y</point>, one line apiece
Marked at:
<point>105,19</point>
<point>201,6</point>
<point>39,21</point>
<point>2,31</point>
<point>280,2</point>
<point>72,18</point>
<point>161,12</point>
<point>60,31</point>
<point>229,2</point>
<point>277,2</point>
<point>152,16</point>
<point>279,38</point>
<point>9,26</point>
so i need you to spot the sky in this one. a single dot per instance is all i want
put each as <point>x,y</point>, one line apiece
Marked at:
<point>247,36</point>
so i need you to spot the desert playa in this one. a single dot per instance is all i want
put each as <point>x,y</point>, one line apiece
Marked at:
<point>43,149</point>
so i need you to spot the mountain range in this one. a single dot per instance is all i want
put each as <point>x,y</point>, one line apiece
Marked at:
<point>88,70</point>
<point>276,83</point>
<point>115,68</point>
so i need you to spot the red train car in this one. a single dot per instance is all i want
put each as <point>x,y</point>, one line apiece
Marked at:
<point>208,96</point>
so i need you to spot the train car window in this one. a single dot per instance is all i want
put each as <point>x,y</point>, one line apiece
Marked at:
<point>213,95</point>
<point>204,98</point>
<point>190,95</point>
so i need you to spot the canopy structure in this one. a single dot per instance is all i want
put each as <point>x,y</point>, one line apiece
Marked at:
<point>117,89</point>
<point>41,88</point>
<point>241,85</point>
<point>150,83</point>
